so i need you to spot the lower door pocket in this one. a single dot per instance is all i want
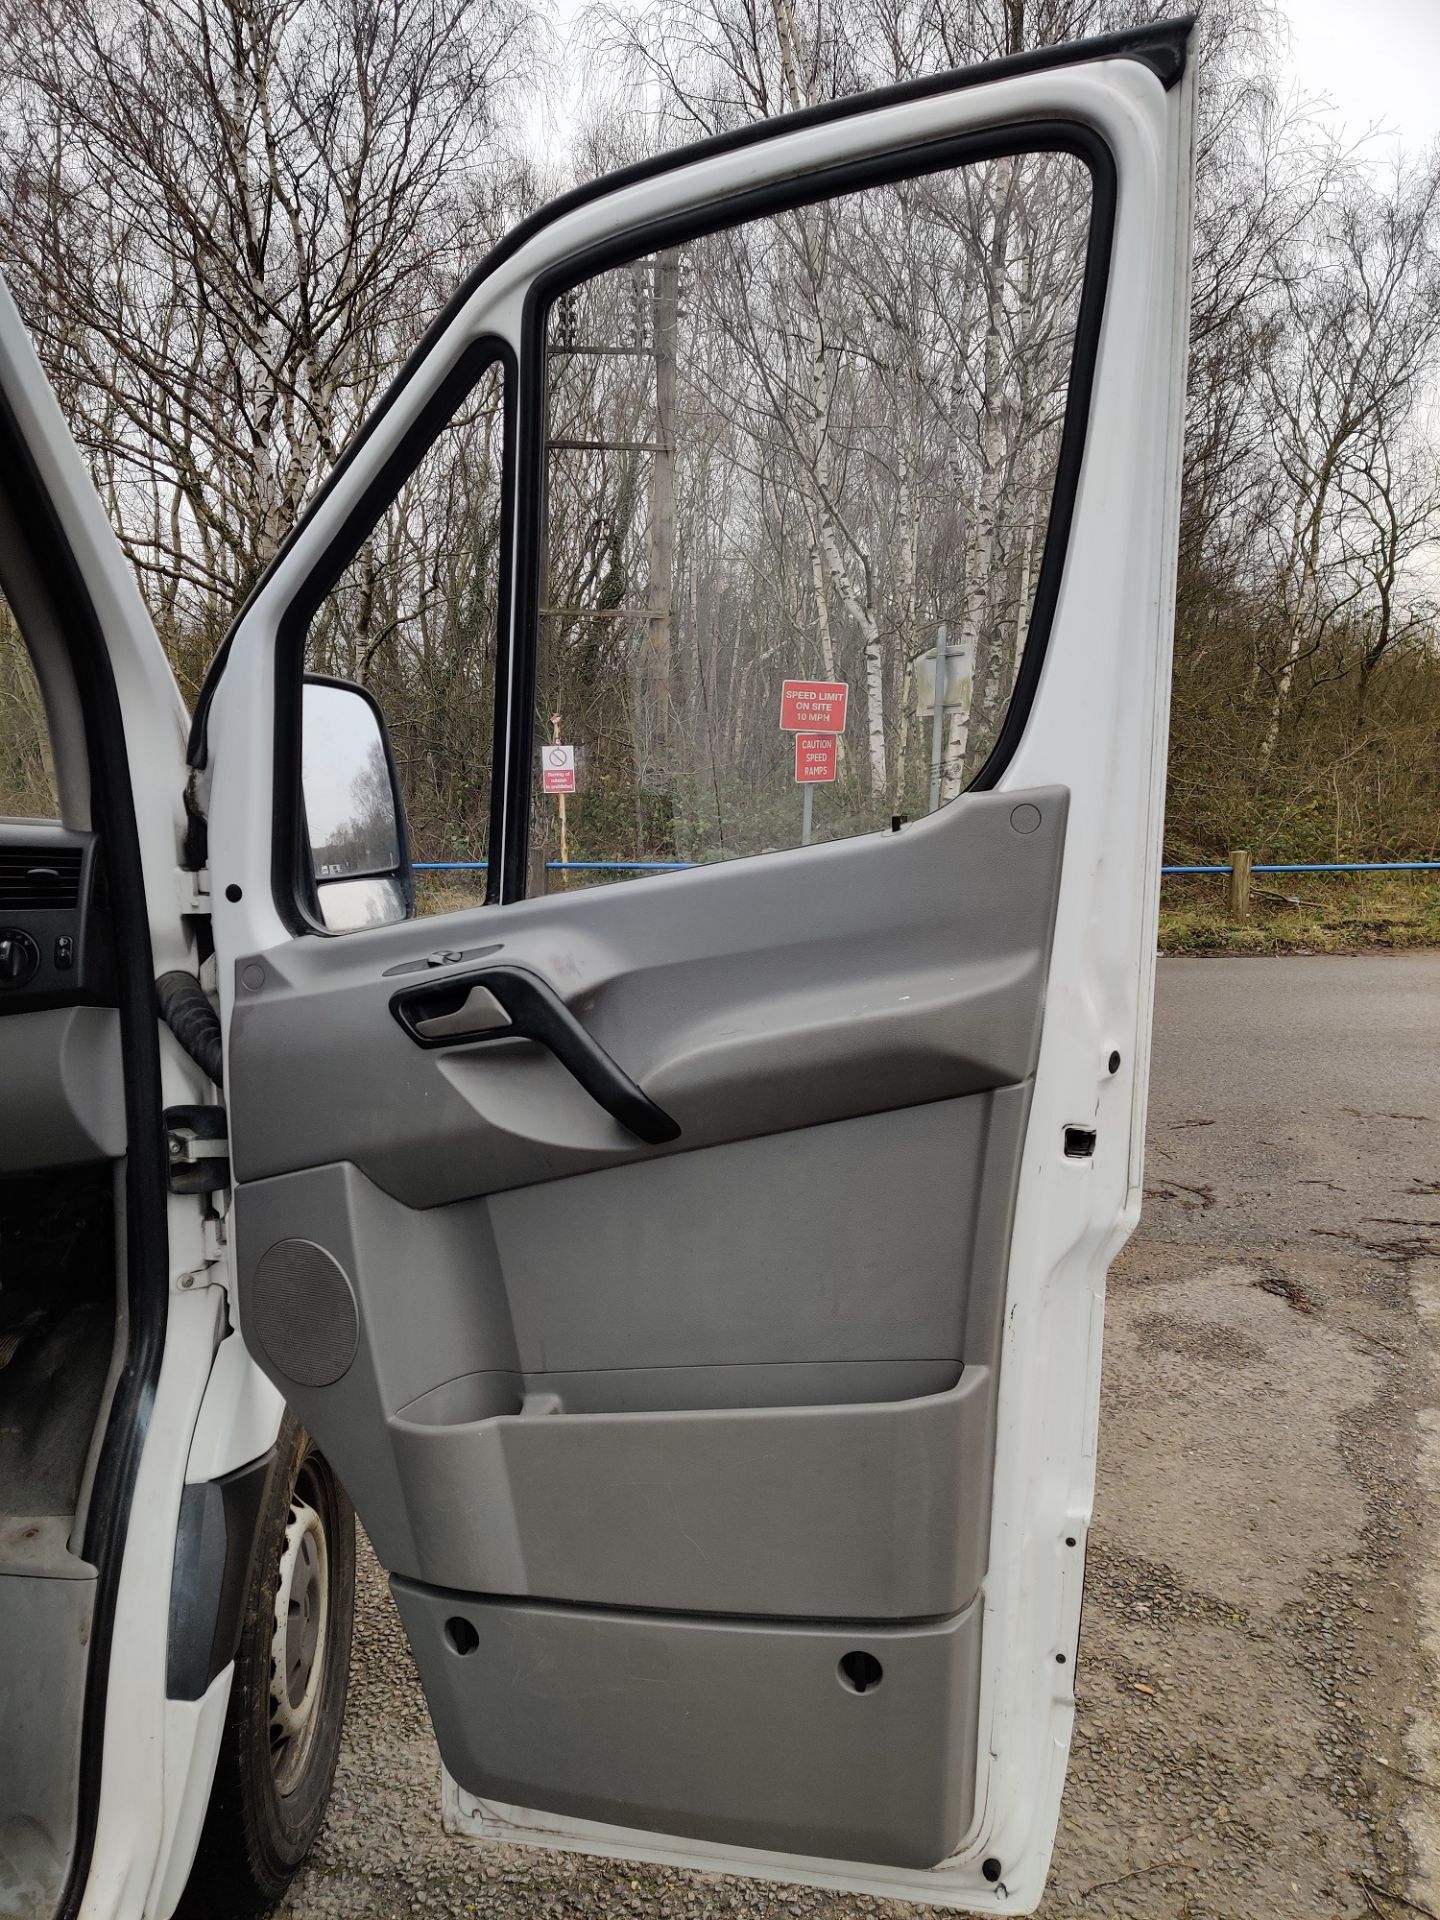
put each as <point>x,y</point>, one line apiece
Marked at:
<point>849,1743</point>
<point>875,1511</point>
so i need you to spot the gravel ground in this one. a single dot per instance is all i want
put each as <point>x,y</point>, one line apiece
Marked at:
<point>1256,1730</point>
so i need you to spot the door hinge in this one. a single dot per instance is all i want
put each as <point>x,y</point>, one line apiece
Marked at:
<point>198,1146</point>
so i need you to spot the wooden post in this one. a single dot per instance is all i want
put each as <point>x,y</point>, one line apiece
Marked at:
<point>937,718</point>
<point>1240,858</point>
<point>564,830</point>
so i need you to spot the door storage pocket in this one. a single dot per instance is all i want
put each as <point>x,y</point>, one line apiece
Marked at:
<point>876,1511</point>
<point>847,1744</point>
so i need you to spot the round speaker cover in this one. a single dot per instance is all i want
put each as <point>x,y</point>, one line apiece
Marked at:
<point>300,1306</point>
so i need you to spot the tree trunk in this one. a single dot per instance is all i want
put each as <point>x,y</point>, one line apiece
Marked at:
<point>976,629</point>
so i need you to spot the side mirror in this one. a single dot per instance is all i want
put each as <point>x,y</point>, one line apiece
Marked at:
<point>359,849</point>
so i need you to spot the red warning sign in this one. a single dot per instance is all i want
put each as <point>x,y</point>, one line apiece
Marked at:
<point>813,706</point>
<point>814,758</point>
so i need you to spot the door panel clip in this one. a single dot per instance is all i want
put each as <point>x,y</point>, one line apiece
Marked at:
<point>193,890</point>
<point>217,1241</point>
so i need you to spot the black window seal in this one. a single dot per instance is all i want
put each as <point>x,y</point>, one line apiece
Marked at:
<point>523,484</point>
<point>1015,138</point>
<point>1163,48</point>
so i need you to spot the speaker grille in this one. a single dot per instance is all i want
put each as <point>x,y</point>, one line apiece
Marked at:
<point>301,1308</point>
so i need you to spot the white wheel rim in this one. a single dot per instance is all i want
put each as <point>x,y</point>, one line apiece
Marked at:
<point>297,1645</point>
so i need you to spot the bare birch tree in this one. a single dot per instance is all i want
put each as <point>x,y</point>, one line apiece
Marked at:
<point>224,220</point>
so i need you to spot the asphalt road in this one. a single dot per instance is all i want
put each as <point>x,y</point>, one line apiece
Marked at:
<point>1257,1729</point>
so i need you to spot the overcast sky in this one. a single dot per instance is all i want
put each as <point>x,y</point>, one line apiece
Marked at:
<point>1377,60</point>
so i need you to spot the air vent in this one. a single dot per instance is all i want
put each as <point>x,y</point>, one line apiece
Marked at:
<point>32,877</point>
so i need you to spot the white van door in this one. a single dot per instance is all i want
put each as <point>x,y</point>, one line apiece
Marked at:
<point>698,1282</point>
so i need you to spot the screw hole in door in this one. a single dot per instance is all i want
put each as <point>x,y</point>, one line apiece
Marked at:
<point>461,1634</point>
<point>860,1672</point>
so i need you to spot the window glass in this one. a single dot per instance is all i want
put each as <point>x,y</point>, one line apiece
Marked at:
<point>27,776</point>
<point>785,463</point>
<point>413,619</point>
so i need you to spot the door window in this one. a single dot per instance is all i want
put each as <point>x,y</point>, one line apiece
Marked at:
<point>798,471</point>
<point>27,775</point>
<point>413,618</point>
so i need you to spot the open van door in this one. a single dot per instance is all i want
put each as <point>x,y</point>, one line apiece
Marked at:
<point>698,1282</point>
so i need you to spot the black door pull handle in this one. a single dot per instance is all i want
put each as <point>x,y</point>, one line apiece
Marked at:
<point>500,1002</point>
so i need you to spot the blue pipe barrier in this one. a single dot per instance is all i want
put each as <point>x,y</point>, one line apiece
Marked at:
<point>683,866</point>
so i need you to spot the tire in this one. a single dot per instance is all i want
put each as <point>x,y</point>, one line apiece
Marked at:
<point>282,1732</point>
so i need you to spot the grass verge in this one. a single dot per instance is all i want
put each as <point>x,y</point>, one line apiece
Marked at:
<point>1303,913</point>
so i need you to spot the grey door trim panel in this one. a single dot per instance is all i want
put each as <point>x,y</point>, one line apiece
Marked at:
<point>869,1512</point>
<point>757,996</point>
<point>653,1437</point>
<point>614,1389</point>
<point>743,1731</point>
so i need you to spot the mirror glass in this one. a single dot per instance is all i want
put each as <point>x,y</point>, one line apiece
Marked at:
<point>350,809</point>
<point>373,902</point>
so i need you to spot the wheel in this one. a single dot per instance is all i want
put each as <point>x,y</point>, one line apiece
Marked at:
<point>287,1702</point>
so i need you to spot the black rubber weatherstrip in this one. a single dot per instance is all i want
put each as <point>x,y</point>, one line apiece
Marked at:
<point>521,544</point>
<point>146,1233</point>
<point>1163,48</point>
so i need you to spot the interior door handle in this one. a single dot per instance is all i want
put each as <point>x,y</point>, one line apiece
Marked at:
<point>479,1013</point>
<point>511,1002</point>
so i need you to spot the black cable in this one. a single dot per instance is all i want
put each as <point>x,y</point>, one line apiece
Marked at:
<point>185,1008</point>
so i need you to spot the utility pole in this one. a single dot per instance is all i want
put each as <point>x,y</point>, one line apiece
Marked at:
<point>659,623</point>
